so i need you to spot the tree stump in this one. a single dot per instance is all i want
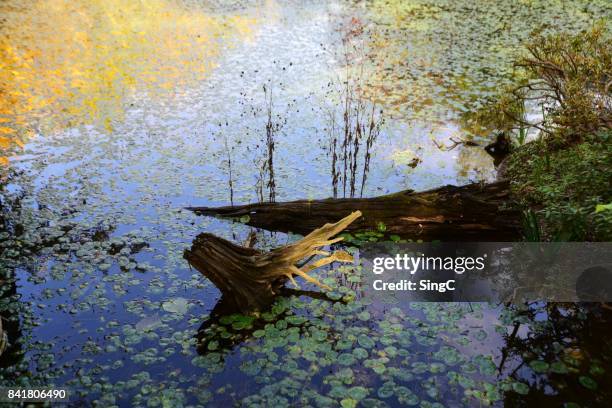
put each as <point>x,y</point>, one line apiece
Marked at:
<point>249,279</point>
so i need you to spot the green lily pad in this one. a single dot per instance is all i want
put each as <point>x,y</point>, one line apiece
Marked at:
<point>596,370</point>
<point>405,396</point>
<point>365,341</point>
<point>539,366</point>
<point>360,353</point>
<point>348,403</point>
<point>358,393</point>
<point>587,382</point>
<point>346,359</point>
<point>364,316</point>
<point>520,388</point>
<point>386,390</point>
<point>149,323</point>
<point>177,305</point>
<point>558,367</point>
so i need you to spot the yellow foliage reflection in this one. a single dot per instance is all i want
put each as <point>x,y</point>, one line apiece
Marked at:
<point>70,62</point>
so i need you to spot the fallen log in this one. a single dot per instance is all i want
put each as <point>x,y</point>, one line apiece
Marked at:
<point>249,279</point>
<point>3,339</point>
<point>474,212</point>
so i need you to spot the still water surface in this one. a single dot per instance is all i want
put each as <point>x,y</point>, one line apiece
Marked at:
<point>116,114</point>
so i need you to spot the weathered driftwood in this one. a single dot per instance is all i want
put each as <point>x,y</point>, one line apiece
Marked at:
<point>474,212</point>
<point>249,279</point>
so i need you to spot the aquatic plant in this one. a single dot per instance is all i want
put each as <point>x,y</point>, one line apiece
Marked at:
<point>103,301</point>
<point>271,129</point>
<point>566,79</point>
<point>361,119</point>
<point>563,187</point>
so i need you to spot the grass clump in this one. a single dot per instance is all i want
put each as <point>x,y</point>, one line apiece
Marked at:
<point>565,191</point>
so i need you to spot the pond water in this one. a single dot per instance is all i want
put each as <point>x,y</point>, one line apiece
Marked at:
<point>115,115</point>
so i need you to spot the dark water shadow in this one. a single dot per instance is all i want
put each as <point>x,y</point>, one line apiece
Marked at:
<point>561,351</point>
<point>11,353</point>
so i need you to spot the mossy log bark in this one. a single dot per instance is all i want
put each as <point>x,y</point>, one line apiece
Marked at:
<point>249,279</point>
<point>474,212</point>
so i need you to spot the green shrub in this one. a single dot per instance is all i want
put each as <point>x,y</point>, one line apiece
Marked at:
<point>564,187</point>
<point>565,80</point>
